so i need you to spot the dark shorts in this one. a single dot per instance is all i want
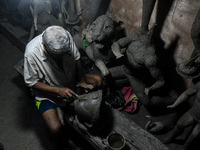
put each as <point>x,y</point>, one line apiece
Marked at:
<point>44,105</point>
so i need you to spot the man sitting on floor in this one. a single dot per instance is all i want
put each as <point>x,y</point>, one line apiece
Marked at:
<point>52,69</point>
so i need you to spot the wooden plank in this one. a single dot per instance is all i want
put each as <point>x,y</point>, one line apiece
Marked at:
<point>20,67</point>
<point>140,138</point>
<point>95,141</point>
<point>136,137</point>
<point>15,34</point>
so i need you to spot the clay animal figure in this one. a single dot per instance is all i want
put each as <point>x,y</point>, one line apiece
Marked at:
<point>98,38</point>
<point>190,118</point>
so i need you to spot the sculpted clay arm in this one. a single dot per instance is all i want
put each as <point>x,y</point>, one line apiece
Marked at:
<point>99,63</point>
<point>157,75</point>
<point>102,67</point>
<point>35,11</point>
<point>183,97</point>
<point>61,91</point>
<point>122,43</point>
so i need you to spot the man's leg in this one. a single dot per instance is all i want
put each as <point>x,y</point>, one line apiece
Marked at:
<point>93,79</point>
<point>51,118</point>
<point>51,115</point>
<point>56,128</point>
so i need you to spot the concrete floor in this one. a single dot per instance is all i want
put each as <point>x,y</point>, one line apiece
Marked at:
<point>21,125</point>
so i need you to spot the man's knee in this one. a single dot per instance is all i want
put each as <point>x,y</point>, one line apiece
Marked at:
<point>98,81</point>
<point>95,80</point>
<point>55,127</point>
<point>52,120</point>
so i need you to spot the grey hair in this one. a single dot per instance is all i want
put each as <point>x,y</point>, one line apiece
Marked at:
<point>56,39</point>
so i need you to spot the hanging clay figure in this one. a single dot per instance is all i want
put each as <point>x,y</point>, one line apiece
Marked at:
<point>190,118</point>
<point>191,68</point>
<point>38,7</point>
<point>71,16</point>
<point>43,17</point>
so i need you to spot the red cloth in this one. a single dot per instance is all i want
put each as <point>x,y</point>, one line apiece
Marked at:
<point>131,100</point>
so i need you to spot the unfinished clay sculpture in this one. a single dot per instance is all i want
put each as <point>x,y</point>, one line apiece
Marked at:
<point>97,40</point>
<point>70,16</point>
<point>141,62</point>
<point>190,68</point>
<point>154,127</point>
<point>88,108</point>
<point>190,118</point>
<point>42,17</point>
<point>141,68</point>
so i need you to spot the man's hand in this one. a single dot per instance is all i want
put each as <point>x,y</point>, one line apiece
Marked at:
<point>66,92</point>
<point>85,86</point>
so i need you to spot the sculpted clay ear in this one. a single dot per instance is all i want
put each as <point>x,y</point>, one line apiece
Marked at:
<point>119,26</point>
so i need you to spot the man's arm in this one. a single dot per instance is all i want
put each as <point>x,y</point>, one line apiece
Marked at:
<point>61,91</point>
<point>81,78</point>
